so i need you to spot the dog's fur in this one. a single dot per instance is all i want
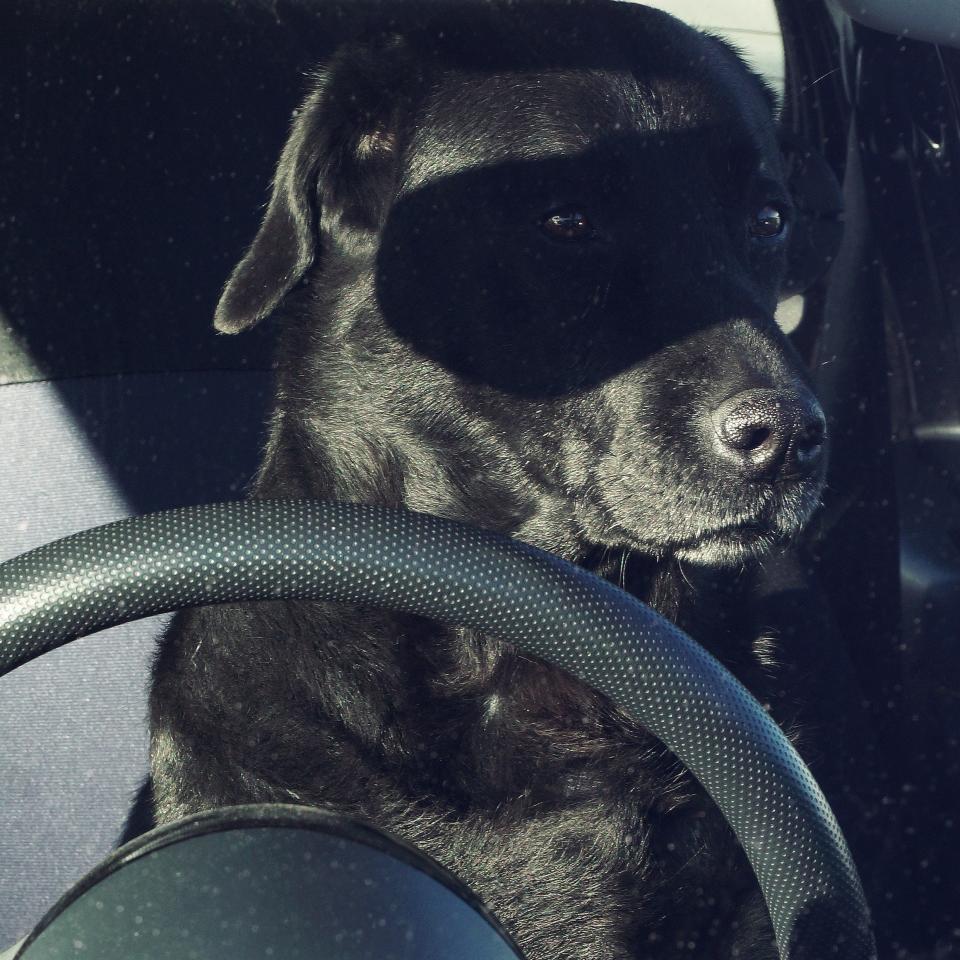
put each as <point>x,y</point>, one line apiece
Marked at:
<point>439,351</point>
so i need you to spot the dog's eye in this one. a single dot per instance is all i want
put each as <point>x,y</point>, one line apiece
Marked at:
<point>569,224</point>
<point>767,222</point>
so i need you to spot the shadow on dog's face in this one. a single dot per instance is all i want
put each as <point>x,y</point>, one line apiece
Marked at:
<point>536,291</point>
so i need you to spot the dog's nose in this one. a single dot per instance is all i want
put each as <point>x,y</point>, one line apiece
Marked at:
<point>771,434</point>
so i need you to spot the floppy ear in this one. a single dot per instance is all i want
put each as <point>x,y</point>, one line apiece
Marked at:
<point>336,168</point>
<point>818,228</point>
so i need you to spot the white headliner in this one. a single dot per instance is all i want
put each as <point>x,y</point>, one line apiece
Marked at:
<point>751,25</point>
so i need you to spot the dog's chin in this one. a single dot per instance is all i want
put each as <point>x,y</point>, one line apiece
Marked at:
<point>737,543</point>
<point>729,547</point>
<point>731,543</point>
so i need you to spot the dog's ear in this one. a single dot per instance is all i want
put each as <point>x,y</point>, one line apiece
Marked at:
<point>334,174</point>
<point>818,226</point>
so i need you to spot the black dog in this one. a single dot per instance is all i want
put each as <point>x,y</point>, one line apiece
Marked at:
<point>524,261</point>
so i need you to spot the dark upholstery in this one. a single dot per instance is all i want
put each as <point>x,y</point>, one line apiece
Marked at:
<point>72,732</point>
<point>136,145</point>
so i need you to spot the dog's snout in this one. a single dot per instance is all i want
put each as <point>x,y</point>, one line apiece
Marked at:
<point>771,434</point>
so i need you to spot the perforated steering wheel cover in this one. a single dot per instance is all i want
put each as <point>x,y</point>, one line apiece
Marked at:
<point>448,572</point>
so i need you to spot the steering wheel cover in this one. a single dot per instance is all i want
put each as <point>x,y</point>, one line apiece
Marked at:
<point>458,575</point>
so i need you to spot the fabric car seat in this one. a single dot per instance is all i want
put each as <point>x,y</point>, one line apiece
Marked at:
<point>137,143</point>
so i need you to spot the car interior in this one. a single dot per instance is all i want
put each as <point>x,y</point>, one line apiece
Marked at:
<point>139,138</point>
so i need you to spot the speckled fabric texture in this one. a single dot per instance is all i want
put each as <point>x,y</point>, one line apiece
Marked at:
<point>73,733</point>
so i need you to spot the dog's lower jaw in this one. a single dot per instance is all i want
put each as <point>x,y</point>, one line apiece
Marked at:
<point>358,467</point>
<point>749,541</point>
<point>728,549</point>
<point>741,537</point>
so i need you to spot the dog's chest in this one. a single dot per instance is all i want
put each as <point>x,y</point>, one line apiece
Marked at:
<point>561,814</point>
<point>578,828</point>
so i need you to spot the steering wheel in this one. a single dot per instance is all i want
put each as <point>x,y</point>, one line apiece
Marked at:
<point>458,575</point>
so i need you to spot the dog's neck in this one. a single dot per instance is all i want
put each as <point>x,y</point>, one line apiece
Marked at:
<point>360,458</point>
<point>298,463</point>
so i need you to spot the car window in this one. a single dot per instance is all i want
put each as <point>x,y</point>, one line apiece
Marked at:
<point>751,25</point>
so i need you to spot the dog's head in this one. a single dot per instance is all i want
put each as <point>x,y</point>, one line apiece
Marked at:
<point>528,258</point>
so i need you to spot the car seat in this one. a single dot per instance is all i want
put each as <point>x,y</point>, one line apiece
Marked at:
<point>138,142</point>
